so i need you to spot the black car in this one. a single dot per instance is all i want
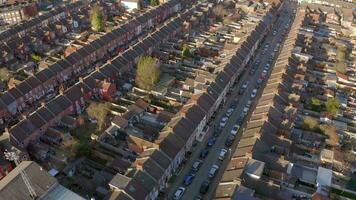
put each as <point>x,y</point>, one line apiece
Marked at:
<point>204,187</point>
<point>240,120</point>
<point>252,71</point>
<point>229,141</point>
<point>204,153</point>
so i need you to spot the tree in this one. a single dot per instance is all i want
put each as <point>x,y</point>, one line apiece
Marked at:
<point>99,111</point>
<point>154,2</point>
<point>332,106</point>
<point>340,67</point>
<point>186,51</point>
<point>36,58</point>
<point>4,74</point>
<point>310,123</point>
<point>97,21</point>
<point>340,59</point>
<point>315,103</point>
<point>220,12</point>
<point>148,73</point>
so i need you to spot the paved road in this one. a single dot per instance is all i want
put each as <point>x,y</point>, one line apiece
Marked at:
<point>212,158</point>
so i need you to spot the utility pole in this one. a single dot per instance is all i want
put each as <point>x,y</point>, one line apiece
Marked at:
<point>13,156</point>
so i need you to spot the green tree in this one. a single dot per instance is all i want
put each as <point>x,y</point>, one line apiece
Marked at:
<point>341,67</point>
<point>154,2</point>
<point>332,106</point>
<point>83,149</point>
<point>315,103</point>
<point>4,74</point>
<point>186,51</point>
<point>97,21</point>
<point>36,58</point>
<point>99,111</point>
<point>148,73</point>
<point>310,123</point>
<point>340,59</point>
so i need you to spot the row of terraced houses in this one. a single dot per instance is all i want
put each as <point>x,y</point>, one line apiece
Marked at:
<point>71,67</point>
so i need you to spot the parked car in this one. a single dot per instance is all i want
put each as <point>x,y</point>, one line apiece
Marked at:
<point>204,153</point>
<point>204,187</point>
<point>245,110</point>
<point>211,142</point>
<point>235,129</point>
<point>253,71</point>
<point>257,62</point>
<point>253,94</point>
<point>179,193</point>
<point>259,82</point>
<point>212,171</point>
<point>240,120</point>
<point>264,74</point>
<point>243,87</point>
<point>223,121</point>
<point>189,179</point>
<point>222,154</point>
<point>229,141</point>
<point>229,112</point>
<point>267,66</point>
<point>196,165</point>
<point>249,103</point>
<point>198,197</point>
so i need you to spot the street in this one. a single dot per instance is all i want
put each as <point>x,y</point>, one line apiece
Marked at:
<point>263,54</point>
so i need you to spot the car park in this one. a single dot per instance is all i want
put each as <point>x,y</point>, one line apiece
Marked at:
<point>196,165</point>
<point>222,154</point>
<point>212,171</point>
<point>223,121</point>
<point>235,129</point>
<point>204,187</point>
<point>254,93</point>
<point>179,193</point>
<point>204,153</point>
<point>211,142</point>
<point>189,179</point>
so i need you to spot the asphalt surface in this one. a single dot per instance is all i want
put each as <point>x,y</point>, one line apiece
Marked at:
<point>193,189</point>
